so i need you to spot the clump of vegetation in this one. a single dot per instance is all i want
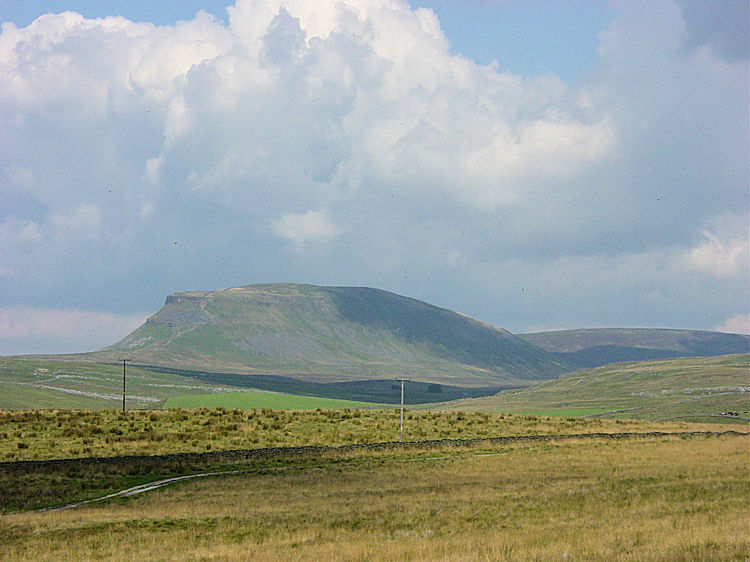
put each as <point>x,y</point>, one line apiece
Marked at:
<point>45,434</point>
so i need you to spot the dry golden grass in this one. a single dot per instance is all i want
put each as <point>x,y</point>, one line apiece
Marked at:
<point>667,499</point>
<point>44,434</point>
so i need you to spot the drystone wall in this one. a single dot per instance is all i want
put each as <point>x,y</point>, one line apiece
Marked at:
<point>280,452</point>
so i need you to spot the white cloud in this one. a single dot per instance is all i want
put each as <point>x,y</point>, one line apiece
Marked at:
<point>18,238</point>
<point>302,228</point>
<point>721,258</point>
<point>177,122</point>
<point>152,167</point>
<point>19,232</point>
<point>148,208</point>
<point>86,219</point>
<point>20,177</point>
<point>737,324</point>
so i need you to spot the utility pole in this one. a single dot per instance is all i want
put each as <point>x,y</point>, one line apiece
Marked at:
<point>401,425</point>
<point>123,382</point>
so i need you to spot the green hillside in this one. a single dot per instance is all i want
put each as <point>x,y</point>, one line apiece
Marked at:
<point>29,382</point>
<point>597,347</point>
<point>329,334</point>
<point>58,384</point>
<point>694,389</point>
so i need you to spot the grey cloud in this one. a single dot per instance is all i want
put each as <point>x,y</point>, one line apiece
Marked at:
<point>722,24</point>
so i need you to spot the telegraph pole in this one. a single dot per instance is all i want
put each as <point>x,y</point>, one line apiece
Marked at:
<point>401,425</point>
<point>123,382</point>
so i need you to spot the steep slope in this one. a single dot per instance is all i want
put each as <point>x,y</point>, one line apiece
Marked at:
<point>689,388</point>
<point>597,347</point>
<point>330,334</point>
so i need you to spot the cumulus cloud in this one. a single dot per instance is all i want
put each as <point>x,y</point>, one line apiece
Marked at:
<point>737,324</point>
<point>729,258</point>
<point>302,228</point>
<point>722,25</point>
<point>142,159</point>
<point>16,231</point>
<point>85,219</point>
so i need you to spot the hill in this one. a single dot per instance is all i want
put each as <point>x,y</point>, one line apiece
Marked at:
<point>61,383</point>
<point>693,389</point>
<point>597,347</point>
<point>329,334</point>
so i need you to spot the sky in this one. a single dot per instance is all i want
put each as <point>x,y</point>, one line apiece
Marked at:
<point>537,165</point>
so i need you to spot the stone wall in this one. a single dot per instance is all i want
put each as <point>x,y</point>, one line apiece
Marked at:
<point>280,452</point>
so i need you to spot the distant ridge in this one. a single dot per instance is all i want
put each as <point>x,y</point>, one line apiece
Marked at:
<point>327,334</point>
<point>700,389</point>
<point>597,347</point>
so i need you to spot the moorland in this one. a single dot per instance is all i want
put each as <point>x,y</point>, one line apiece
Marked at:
<point>634,498</point>
<point>45,434</point>
<point>530,447</point>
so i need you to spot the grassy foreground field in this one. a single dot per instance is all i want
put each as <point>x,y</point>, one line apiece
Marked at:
<point>44,434</point>
<point>667,499</point>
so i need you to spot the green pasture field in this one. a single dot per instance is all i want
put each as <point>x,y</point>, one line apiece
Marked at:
<point>272,400</point>
<point>30,382</point>
<point>652,498</point>
<point>683,389</point>
<point>34,383</point>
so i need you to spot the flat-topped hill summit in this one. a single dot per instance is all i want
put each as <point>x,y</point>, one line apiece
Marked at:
<point>330,334</point>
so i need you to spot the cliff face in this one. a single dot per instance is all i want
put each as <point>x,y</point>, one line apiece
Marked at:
<point>183,309</point>
<point>182,298</point>
<point>332,333</point>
